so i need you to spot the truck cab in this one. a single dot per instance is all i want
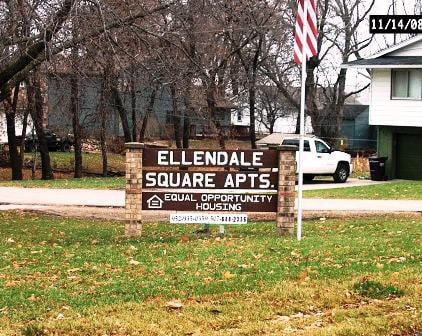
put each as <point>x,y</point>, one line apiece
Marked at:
<point>319,159</point>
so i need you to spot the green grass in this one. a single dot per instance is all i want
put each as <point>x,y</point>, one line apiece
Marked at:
<point>376,290</point>
<point>400,190</point>
<point>82,183</point>
<point>82,277</point>
<point>91,162</point>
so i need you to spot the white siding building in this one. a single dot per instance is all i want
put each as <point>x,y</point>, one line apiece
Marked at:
<point>396,105</point>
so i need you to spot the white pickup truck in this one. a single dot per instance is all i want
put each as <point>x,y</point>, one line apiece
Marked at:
<point>318,158</point>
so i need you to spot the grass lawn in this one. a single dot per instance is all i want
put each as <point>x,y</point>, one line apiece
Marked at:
<point>410,190</point>
<point>62,276</point>
<point>91,162</point>
<point>71,183</point>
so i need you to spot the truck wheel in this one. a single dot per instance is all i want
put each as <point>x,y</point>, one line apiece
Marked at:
<point>308,177</point>
<point>342,173</point>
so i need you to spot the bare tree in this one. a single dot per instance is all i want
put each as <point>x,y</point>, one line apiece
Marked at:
<point>35,100</point>
<point>271,106</point>
<point>338,41</point>
<point>256,20</point>
<point>15,158</point>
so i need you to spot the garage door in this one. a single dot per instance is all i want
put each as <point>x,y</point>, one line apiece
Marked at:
<point>409,156</point>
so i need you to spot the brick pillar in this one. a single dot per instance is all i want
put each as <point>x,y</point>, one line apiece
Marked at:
<point>133,195</point>
<point>286,189</point>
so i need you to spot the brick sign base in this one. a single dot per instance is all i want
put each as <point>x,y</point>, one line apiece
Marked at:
<point>282,198</point>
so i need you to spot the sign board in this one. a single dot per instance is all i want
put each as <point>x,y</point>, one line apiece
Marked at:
<point>209,186</point>
<point>207,190</point>
<point>197,218</point>
<point>209,201</point>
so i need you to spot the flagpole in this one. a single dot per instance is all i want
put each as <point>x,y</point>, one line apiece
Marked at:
<point>302,126</point>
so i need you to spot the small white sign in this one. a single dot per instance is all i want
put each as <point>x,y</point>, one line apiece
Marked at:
<point>198,218</point>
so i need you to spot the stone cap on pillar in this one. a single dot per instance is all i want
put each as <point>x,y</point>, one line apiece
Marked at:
<point>134,145</point>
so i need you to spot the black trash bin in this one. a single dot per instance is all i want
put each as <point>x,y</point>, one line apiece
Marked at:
<point>377,168</point>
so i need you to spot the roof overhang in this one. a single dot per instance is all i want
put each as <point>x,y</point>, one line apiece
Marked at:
<point>397,46</point>
<point>386,62</point>
<point>391,66</point>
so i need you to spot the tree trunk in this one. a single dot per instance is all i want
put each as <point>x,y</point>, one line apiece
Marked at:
<point>37,114</point>
<point>213,114</point>
<point>115,94</point>
<point>252,101</point>
<point>77,132</point>
<point>310,91</point>
<point>75,108</point>
<point>15,158</point>
<point>188,113</point>
<point>22,144</point>
<point>340,103</point>
<point>13,149</point>
<point>186,130</point>
<point>176,118</point>
<point>177,131</point>
<point>271,126</point>
<point>252,92</point>
<point>297,129</point>
<point>148,113</point>
<point>133,103</point>
<point>103,143</point>
<point>105,91</point>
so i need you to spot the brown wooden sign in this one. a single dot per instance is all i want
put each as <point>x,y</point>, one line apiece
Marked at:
<point>209,180</point>
<point>154,157</point>
<point>209,202</point>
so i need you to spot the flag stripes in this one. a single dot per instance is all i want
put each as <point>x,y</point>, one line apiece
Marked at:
<point>305,44</point>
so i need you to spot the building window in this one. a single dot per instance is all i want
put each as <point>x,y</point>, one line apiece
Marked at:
<point>239,115</point>
<point>406,83</point>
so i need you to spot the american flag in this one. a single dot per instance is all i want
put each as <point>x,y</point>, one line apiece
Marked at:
<point>308,43</point>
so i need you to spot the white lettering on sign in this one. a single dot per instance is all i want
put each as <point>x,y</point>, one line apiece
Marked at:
<point>207,180</point>
<point>177,180</point>
<point>209,158</point>
<point>236,198</point>
<point>193,218</point>
<point>228,202</point>
<point>176,197</point>
<point>259,181</point>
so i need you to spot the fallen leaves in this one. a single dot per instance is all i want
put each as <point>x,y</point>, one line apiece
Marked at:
<point>174,304</point>
<point>184,239</point>
<point>133,262</point>
<point>32,298</point>
<point>226,275</point>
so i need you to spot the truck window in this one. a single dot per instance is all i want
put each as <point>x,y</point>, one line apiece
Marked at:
<point>295,142</point>
<point>321,147</point>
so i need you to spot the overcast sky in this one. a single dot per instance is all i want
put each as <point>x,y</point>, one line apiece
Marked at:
<point>383,7</point>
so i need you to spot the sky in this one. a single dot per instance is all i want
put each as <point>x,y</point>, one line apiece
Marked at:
<point>383,7</point>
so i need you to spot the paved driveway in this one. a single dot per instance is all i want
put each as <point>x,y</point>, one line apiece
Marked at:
<point>328,183</point>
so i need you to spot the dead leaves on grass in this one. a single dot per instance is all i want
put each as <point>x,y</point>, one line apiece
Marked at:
<point>174,304</point>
